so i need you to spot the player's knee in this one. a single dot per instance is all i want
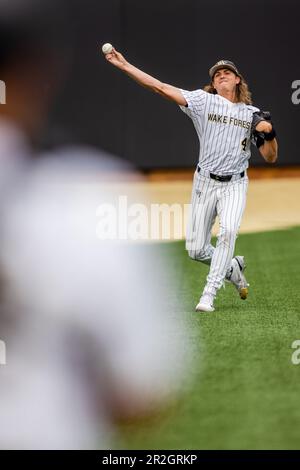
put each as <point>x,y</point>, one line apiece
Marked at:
<point>228,235</point>
<point>197,255</point>
<point>192,254</point>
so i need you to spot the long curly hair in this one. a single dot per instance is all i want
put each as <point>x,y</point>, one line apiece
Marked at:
<point>243,94</point>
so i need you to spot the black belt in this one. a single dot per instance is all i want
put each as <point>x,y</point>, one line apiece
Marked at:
<point>222,178</point>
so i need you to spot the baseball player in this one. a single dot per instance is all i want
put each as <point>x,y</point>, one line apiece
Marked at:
<point>226,124</point>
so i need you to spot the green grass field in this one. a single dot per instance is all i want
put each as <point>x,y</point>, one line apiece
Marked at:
<point>247,395</point>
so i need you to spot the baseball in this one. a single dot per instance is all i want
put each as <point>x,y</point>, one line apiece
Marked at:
<point>107,48</point>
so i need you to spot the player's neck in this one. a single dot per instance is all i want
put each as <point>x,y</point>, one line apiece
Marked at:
<point>229,95</point>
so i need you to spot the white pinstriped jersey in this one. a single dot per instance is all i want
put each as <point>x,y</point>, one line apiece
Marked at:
<point>224,131</point>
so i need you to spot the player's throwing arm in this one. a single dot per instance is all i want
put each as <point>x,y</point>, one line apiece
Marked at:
<point>167,91</point>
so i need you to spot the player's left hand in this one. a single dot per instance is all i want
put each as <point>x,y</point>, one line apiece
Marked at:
<point>264,126</point>
<point>262,122</point>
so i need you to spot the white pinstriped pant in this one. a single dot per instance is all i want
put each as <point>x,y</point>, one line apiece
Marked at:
<point>211,198</point>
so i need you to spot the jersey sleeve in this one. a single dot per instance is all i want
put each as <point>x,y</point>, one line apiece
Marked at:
<point>196,101</point>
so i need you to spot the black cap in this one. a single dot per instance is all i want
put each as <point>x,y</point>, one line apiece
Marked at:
<point>223,64</point>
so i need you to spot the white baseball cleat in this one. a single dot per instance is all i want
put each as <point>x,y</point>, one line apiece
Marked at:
<point>237,277</point>
<point>206,303</point>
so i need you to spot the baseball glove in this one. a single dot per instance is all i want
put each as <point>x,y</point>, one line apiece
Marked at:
<point>260,137</point>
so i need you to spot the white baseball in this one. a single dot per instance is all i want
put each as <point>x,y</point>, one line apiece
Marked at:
<point>107,48</point>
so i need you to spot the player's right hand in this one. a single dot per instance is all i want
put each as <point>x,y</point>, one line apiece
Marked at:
<point>116,58</point>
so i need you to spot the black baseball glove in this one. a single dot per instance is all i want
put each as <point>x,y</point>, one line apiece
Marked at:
<point>260,137</point>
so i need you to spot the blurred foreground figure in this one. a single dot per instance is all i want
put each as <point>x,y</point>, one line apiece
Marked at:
<point>89,334</point>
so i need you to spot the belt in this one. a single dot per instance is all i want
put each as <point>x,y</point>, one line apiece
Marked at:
<point>221,178</point>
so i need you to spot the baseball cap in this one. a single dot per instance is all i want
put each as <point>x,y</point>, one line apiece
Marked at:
<point>223,64</point>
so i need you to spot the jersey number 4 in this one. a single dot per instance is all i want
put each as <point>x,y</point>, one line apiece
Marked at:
<point>244,144</point>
